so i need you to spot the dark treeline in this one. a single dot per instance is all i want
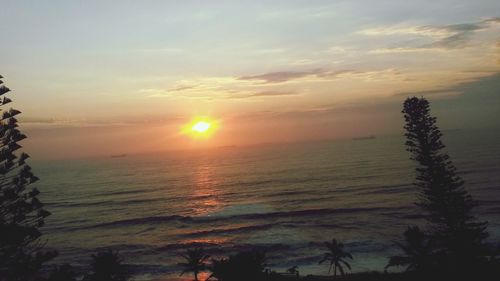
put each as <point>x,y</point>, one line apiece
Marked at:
<point>451,244</point>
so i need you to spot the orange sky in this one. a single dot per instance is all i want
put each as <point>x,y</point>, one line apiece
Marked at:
<point>125,77</point>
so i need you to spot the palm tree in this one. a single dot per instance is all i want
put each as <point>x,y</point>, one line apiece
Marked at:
<point>418,252</point>
<point>336,256</point>
<point>195,261</point>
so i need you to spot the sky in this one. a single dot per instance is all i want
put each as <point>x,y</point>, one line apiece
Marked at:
<point>112,77</point>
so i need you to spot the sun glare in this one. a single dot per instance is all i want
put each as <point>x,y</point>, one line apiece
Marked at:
<point>200,128</point>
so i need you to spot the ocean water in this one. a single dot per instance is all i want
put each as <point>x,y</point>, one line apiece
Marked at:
<point>288,199</point>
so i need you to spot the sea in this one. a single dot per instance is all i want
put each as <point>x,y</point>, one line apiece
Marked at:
<point>285,199</point>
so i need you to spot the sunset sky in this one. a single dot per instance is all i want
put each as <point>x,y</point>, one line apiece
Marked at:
<point>107,77</point>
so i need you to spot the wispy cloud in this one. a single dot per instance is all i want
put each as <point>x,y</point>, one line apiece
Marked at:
<point>181,88</point>
<point>281,76</point>
<point>48,123</point>
<point>443,37</point>
<point>395,50</point>
<point>197,88</point>
<point>482,84</point>
<point>216,88</point>
<point>263,94</point>
<point>319,74</point>
<point>284,76</point>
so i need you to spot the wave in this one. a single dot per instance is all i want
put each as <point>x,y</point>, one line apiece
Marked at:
<point>225,248</point>
<point>287,193</point>
<point>226,231</point>
<point>179,246</point>
<point>80,204</point>
<point>122,192</point>
<point>146,220</point>
<point>104,202</point>
<point>387,190</point>
<point>242,217</point>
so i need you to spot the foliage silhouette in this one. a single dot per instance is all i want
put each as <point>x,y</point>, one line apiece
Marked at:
<point>293,270</point>
<point>418,252</point>
<point>195,261</point>
<point>456,235</point>
<point>21,213</point>
<point>336,256</point>
<point>107,266</point>
<point>244,266</point>
<point>63,272</point>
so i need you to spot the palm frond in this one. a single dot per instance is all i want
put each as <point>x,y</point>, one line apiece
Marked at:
<point>340,268</point>
<point>346,264</point>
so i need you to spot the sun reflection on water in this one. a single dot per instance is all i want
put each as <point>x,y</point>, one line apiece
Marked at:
<point>205,196</point>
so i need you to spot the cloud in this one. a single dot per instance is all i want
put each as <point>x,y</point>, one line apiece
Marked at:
<point>285,76</point>
<point>262,85</point>
<point>282,76</point>
<point>263,94</point>
<point>484,85</point>
<point>398,30</point>
<point>54,123</point>
<point>399,50</point>
<point>216,88</point>
<point>443,37</point>
<point>196,88</point>
<point>321,74</point>
<point>181,88</point>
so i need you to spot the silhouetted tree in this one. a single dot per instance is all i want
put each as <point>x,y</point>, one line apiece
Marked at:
<point>336,256</point>
<point>457,235</point>
<point>63,272</point>
<point>220,269</point>
<point>195,261</point>
<point>107,266</point>
<point>244,266</point>
<point>293,270</point>
<point>21,213</point>
<point>418,252</point>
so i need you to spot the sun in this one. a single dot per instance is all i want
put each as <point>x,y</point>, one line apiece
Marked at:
<point>200,128</point>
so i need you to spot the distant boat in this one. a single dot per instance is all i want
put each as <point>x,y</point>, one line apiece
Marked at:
<point>119,156</point>
<point>364,138</point>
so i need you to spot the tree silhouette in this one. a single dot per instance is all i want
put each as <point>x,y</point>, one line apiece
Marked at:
<point>107,266</point>
<point>195,262</point>
<point>336,256</point>
<point>221,270</point>
<point>418,252</point>
<point>244,266</point>
<point>63,272</point>
<point>293,270</point>
<point>21,213</point>
<point>457,235</point>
